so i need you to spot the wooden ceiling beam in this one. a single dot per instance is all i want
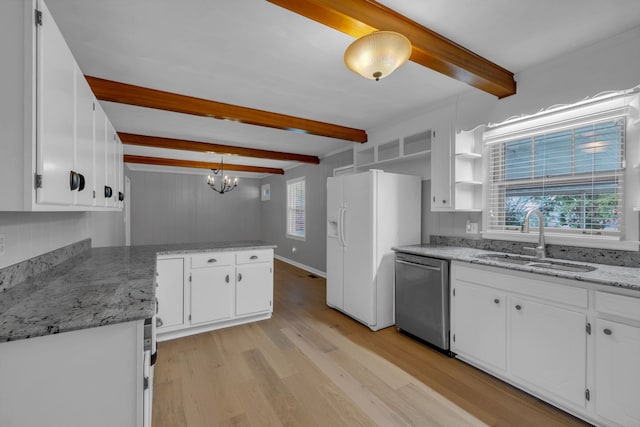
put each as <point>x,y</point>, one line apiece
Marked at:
<point>198,165</point>
<point>203,147</point>
<point>108,90</point>
<point>360,17</point>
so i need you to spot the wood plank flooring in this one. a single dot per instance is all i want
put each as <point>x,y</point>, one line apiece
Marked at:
<point>312,366</point>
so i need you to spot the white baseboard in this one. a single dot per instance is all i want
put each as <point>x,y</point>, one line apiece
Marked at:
<point>302,266</point>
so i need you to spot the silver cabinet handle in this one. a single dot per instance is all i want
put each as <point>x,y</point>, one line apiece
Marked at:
<point>157,305</point>
<point>158,322</point>
<point>226,279</point>
<point>212,260</point>
<point>239,277</point>
<point>497,301</point>
<point>254,257</point>
<point>518,307</point>
<point>607,331</point>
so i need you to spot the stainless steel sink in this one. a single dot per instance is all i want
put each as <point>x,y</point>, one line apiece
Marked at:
<point>512,259</point>
<point>539,263</point>
<point>554,265</point>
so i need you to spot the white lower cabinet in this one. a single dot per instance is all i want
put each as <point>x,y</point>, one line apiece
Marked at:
<point>576,347</point>
<point>213,290</point>
<point>254,288</point>
<point>170,293</point>
<point>90,377</point>
<point>212,294</point>
<point>548,348</point>
<point>617,359</point>
<point>479,322</point>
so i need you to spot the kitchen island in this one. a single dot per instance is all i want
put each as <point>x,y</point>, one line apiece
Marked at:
<point>72,337</point>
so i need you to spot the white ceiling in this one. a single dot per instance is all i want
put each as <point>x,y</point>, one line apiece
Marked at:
<point>255,54</point>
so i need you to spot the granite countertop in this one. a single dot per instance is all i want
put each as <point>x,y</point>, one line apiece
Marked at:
<point>608,275</point>
<point>99,287</point>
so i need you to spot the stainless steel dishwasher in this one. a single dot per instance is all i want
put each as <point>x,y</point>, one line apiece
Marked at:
<point>422,298</point>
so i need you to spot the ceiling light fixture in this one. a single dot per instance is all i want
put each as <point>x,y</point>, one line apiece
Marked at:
<point>377,54</point>
<point>227,184</point>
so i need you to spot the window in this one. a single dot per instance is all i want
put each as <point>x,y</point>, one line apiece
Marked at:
<point>295,208</point>
<point>569,165</point>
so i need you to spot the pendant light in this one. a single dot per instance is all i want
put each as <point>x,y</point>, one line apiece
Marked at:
<point>377,54</point>
<point>224,183</point>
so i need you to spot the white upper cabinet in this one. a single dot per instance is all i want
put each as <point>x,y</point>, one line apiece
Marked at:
<point>50,153</point>
<point>84,140</point>
<point>56,122</point>
<point>441,190</point>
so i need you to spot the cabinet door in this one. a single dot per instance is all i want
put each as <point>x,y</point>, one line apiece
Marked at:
<point>212,294</point>
<point>254,288</point>
<point>55,112</point>
<point>111,183</point>
<point>170,292</point>
<point>617,388</point>
<point>548,348</point>
<point>100,154</point>
<point>479,324</point>
<point>335,250</point>
<point>84,139</point>
<point>441,174</point>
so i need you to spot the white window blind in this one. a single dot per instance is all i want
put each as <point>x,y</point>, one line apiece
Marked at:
<point>571,170</point>
<point>296,208</point>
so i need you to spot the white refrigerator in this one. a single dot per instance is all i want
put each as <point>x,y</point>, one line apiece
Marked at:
<point>367,214</point>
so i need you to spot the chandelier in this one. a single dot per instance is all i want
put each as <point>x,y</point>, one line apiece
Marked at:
<point>377,54</point>
<point>223,185</point>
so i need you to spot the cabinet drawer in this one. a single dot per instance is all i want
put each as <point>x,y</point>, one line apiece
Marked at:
<point>618,305</point>
<point>212,259</point>
<point>529,284</point>
<point>260,255</point>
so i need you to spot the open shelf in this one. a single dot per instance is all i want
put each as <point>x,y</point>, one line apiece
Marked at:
<point>465,182</point>
<point>471,156</point>
<point>418,155</point>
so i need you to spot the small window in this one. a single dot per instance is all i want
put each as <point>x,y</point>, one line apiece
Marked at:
<point>295,209</point>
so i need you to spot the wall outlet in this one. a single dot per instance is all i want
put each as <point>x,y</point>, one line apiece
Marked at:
<point>293,250</point>
<point>1,244</point>
<point>472,227</point>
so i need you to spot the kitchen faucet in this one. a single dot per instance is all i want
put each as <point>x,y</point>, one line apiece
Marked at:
<point>540,249</point>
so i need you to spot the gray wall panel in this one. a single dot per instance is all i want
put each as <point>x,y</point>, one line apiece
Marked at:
<point>179,208</point>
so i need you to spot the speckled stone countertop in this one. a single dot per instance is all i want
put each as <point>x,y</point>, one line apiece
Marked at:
<point>101,286</point>
<point>608,275</point>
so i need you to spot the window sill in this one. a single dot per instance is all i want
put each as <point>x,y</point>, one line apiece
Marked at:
<point>566,240</point>
<point>294,237</point>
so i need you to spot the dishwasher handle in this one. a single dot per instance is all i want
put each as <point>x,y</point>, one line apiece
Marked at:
<point>413,264</point>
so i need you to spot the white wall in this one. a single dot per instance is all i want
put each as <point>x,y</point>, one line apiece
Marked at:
<point>179,208</point>
<point>29,234</point>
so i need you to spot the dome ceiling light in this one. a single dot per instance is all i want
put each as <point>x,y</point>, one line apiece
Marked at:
<point>377,54</point>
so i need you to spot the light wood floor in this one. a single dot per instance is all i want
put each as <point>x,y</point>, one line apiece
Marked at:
<point>312,366</point>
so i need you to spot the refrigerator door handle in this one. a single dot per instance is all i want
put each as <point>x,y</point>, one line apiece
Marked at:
<point>342,227</point>
<point>339,227</point>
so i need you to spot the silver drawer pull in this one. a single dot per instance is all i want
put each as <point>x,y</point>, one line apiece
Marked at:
<point>212,260</point>
<point>497,301</point>
<point>239,277</point>
<point>518,307</point>
<point>226,279</point>
<point>254,257</point>
<point>607,331</point>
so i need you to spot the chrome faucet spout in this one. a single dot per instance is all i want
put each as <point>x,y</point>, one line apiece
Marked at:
<point>540,250</point>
